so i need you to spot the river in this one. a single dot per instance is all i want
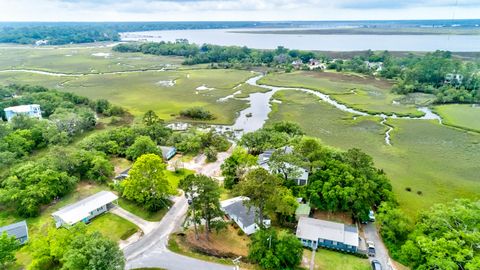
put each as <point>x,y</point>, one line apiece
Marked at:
<point>457,43</point>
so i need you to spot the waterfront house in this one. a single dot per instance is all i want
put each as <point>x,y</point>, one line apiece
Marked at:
<point>32,110</point>
<point>85,210</point>
<point>243,216</point>
<point>18,230</point>
<point>314,233</point>
<point>300,176</point>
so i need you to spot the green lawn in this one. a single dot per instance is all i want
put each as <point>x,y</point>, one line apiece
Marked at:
<point>334,260</point>
<point>113,227</point>
<point>139,211</point>
<point>462,116</point>
<point>175,177</point>
<point>358,91</point>
<point>439,161</point>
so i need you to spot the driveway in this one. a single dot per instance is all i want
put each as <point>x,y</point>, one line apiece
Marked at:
<point>381,252</point>
<point>151,250</point>
<point>145,226</point>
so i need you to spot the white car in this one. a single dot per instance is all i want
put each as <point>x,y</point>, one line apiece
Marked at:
<point>370,248</point>
<point>371,216</point>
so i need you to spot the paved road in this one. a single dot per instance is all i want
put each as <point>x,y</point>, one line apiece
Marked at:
<point>371,234</point>
<point>151,250</point>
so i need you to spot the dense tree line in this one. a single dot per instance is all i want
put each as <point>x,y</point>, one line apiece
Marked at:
<point>444,237</point>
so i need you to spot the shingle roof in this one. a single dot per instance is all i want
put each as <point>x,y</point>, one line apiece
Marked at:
<point>73,213</point>
<point>313,229</point>
<point>235,207</point>
<point>18,229</point>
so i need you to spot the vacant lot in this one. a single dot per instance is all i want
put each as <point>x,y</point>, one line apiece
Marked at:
<point>462,116</point>
<point>438,161</point>
<point>361,92</point>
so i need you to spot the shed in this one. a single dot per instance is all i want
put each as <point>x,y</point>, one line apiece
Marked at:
<point>85,210</point>
<point>168,152</point>
<point>18,230</point>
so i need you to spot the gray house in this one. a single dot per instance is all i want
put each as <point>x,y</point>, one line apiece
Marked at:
<point>244,217</point>
<point>301,176</point>
<point>168,152</point>
<point>18,230</point>
<point>121,176</point>
<point>84,210</point>
<point>314,233</point>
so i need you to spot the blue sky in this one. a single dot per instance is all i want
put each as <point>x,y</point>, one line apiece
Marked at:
<point>211,10</point>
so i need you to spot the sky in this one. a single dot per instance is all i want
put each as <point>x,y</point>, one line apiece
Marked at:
<point>235,10</point>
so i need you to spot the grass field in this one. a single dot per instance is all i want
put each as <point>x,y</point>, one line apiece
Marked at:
<point>462,116</point>
<point>79,59</point>
<point>334,260</point>
<point>112,226</point>
<point>358,91</point>
<point>142,91</point>
<point>439,161</point>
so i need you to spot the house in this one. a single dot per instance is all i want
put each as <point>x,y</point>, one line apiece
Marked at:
<point>316,64</point>
<point>121,176</point>
<point>168,152</point>
<point>455,79</point>
<point>301,176</point>
<point>297,63</point>
<point>18,230</point>
<point>314,233</point>
<point>303,210</point>
<point>41,42</point>
<point>375,66</point>
<point>178,126</point>
<point>32,110</point>
<point>244,217</point>
<point>85,210</point>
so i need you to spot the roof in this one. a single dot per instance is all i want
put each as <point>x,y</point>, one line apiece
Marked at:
<point>73,213</point>
<point>167,149</point>
<point>22,108</point>
<point>19,229</point>
<point>303,209</point>
<point>235,207</point>
<point>313,229</point>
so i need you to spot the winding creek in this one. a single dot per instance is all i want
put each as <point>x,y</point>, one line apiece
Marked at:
<point>255,116</point>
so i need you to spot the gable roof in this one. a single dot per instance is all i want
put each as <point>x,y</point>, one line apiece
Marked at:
<point>19,229</point>
<point>22,108</point>
<point>73,213</point>
<point>236,207</point>
<point>264,157</point>
<point>314,229</point>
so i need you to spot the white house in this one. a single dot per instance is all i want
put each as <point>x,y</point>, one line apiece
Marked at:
<point>32,110</point>
<point>314,64</point>
<point>85,210</point>
<point>244,217</point>
<point>301,174</point>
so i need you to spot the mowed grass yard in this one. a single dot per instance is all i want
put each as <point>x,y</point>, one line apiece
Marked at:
<point>361,92</point>
<point>108,224</point>
<point>440,162</point>
<point>91,58</point>
<point>334,260</point>
<point>460,115</point>
<point>142,91</point>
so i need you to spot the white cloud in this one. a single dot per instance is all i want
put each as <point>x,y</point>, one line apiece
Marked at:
<point>246,10</point>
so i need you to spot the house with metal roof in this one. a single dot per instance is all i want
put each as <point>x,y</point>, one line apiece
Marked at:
<point>18,230</point>
<point>32,110</point>
<point>301,174</point>
<point>314,233</point>
<point>168,152</point>
<point>121,176</point>
<point>85,210</point>
<point>245,217</point>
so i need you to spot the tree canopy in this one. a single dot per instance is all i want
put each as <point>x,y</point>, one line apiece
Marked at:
<point>8,246</point>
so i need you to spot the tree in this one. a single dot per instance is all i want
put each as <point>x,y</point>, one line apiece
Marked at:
<point>91,252</point>
<point>147,183</point>
<point>150,118</point>
<point>142,145</point>
<point>204,193</point>
<point>8,246</point>
<point>272,250</point>
<point>263,139</point>
<point>445,237</point>
<point>286,163</point>
<point>261,187</point>
<point>291,128</point>
<point>395,226</point>
<point>235,167</point>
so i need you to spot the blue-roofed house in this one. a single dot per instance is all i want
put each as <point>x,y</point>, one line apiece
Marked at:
<point>18,230</point>
<point>314,233</point>
<point>168,152</point>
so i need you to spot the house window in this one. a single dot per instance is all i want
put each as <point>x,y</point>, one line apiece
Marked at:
<point>320,240</point>
<point>334,243</point>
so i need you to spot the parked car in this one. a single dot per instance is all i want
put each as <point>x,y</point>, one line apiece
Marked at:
<point>371,216</point>
<point>370,249</point>
<point>376,265</point>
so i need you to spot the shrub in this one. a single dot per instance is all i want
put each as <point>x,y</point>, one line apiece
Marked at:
<point>197,113</point>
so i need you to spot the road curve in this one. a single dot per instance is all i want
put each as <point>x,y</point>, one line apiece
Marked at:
<point>151,250</point>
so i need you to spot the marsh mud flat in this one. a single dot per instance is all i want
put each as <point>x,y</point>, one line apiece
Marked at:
<point>255,116</point>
